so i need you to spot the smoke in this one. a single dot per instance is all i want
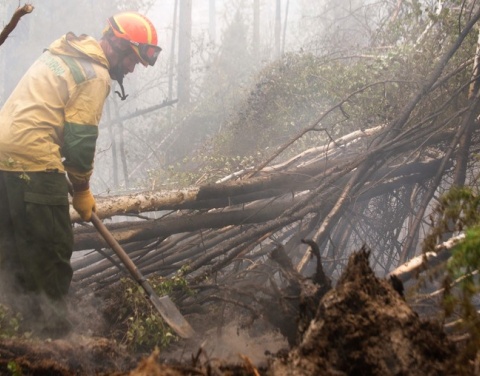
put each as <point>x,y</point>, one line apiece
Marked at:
<point>19,310</point>
<point>233,342</point>
<point>230,344</point>
<point>22,312</point>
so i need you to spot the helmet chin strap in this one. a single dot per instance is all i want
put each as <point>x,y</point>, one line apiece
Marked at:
<point>118,74</point>
<point>117,71</point>
<point>122,95</point>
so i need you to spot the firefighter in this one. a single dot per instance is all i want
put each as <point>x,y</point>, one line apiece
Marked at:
<point>48,129</point>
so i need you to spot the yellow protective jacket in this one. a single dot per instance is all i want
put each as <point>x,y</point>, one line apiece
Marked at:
<point>50,121</point>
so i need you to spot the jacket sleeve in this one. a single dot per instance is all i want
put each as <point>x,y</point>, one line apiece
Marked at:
<point>82,116</point>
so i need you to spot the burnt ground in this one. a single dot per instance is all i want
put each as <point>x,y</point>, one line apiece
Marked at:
<point>361,327</point>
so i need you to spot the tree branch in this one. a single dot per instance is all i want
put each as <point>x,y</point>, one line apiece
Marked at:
<point>19,13</point>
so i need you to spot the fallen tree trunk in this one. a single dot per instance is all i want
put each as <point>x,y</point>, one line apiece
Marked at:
<point>131,231</point>
<point>272,182</point>
<point>423,263</point>
<point>372,191</point>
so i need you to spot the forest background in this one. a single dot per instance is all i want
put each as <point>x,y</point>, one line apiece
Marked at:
<point>368,108</point>
<point>213,53</point>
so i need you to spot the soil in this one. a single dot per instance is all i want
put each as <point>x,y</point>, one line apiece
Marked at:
<point>362,327</point>
<point>365,327</point>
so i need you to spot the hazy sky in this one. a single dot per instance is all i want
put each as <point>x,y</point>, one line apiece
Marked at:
<point>37,30</point>
<point>162,15</point>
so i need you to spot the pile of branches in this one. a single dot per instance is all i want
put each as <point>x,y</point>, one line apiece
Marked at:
<point>373,186</point>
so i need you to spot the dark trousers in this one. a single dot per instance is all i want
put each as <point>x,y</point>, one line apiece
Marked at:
<point>36,236</point>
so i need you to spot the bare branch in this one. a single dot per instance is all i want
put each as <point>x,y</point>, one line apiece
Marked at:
<point>19,13</point>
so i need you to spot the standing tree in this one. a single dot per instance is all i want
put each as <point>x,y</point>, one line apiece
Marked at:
<point>278,28</point>
<point>212,22</point>
<point>256,30</point>
<point>184,50</point>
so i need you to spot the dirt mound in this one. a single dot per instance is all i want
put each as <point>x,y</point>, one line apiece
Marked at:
<point>75,355</point>
<point>364,327</point>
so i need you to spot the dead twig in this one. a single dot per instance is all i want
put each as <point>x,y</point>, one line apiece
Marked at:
<point>19,13</point>
<point>250,368</point>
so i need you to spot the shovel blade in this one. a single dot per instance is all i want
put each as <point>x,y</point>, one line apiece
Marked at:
<point>172,316</point>
<point>164,305</point>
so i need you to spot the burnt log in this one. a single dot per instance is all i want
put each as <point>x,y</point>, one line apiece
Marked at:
<point>298,300</point>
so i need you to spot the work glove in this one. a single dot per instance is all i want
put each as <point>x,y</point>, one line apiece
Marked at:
<point>84,203</point>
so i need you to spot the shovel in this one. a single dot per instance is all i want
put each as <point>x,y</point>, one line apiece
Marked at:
<point>164,305</point>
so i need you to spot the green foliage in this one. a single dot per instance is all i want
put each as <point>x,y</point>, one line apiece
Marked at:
<point>459,210</point>
<point>291,94</point>
<point>199,169</point>
<point>246,123</point>
<point>288,96</point>
<point>9,322</point>
<point>9,163</point>
<point>294,92</point>
<point>142,327</point>
<point>146,330</point>
<point>14,369</point>
<point>463,268</point>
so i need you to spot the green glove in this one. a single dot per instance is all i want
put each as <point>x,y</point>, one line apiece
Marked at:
<point>84,203</point>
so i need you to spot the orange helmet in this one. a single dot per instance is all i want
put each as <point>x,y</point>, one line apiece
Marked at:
<point>139,31</point>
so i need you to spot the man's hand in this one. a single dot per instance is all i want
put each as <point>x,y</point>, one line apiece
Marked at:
<point>84,203</point>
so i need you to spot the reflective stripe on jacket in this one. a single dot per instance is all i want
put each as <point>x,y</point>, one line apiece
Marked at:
<point>50,121</point>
